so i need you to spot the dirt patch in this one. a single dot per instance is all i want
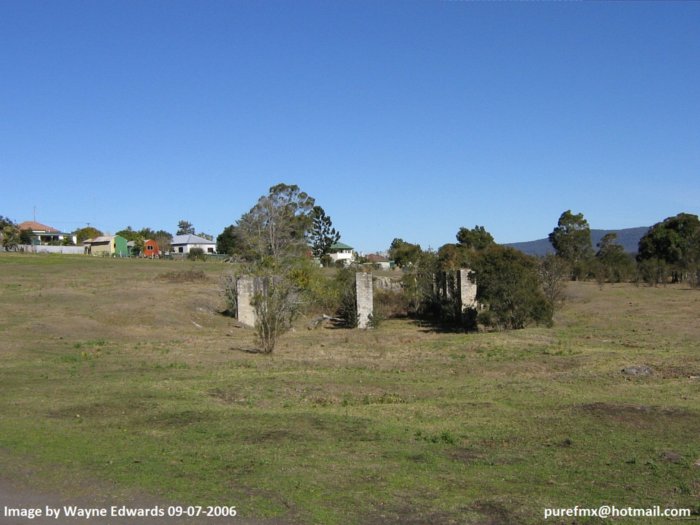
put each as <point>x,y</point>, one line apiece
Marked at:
<point>466,455</point>
<point>638,415</point>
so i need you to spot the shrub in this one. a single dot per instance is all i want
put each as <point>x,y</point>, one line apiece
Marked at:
<point>196,254</point>
<point>508,284</point>
<point>276,303</point>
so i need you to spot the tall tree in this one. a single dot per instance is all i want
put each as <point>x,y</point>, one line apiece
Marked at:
<point>572,240</point>
<point>323,235</point>
<point>676,242</point>
<point>130,235</point>
<point>475,239</point>
<point>228,241</point>
<point>89,232</point>
<point>278,224</point>
<point>613,263</point>
<point>185,228</point>
<point>404,253</point>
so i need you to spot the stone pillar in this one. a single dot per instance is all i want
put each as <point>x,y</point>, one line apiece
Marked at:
<point>245,289</point>
<point>364,299</point>
<point>467,290</point>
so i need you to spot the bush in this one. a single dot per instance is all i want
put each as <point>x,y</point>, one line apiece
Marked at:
<point>196,254</point>
<point>509,285</point>
<point>276,304</point>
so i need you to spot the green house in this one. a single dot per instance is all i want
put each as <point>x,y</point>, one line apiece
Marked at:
<point>121,249</point>
<point>114,245</point>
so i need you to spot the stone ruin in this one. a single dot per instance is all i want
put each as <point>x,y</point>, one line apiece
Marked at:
<point>245,290</point>
<point>447,285</point>
<point>458,286</point>
<point>364,299</point>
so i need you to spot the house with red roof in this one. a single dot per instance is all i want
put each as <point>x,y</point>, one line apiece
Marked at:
<point>43,234</point>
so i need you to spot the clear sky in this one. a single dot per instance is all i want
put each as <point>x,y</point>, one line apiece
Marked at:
<point>403,119</point>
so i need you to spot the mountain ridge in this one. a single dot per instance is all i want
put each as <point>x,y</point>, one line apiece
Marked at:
<point>628,238</point>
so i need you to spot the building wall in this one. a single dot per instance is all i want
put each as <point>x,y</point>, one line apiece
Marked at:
<point>185,248</point>
<point>102,249</point>
<point>151,249</point>
<point>120,246</point>
<point>342,255</point>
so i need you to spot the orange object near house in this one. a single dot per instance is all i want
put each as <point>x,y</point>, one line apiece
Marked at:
<point>151,249</point>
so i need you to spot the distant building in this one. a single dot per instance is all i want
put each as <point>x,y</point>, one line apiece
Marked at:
<point>43,234</point>
<point>341,252</point>
<point>184,244</point>
<point>380,261</point>
<point>107,245</point>
<point>151,248</point>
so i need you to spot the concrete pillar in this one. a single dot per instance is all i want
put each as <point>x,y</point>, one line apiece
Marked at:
<point>467,290</point>
<point>245,289</point>
<point>364,298</point>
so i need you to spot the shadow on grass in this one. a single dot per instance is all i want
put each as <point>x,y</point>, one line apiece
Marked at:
<point>248,350</point>
<point>440,327</point>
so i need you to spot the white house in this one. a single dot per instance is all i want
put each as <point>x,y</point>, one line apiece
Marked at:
<point>341,252</point>
<point>185,243</point>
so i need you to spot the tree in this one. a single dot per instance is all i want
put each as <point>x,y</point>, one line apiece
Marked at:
<point>509,286</point>
<point>9,233</point>
<point>185,228</point>
<point>675,242</point>
<point>613,263</point>
<point>553,272</point>
<point>278,224</point>
<point>322,235</point>
<point>453,256</point>
<point>26,237</point>
<point>88,232</point>
<point>572,241</point>
<point>404,253</point>
<point>228,241</point>
<point>475,239</point>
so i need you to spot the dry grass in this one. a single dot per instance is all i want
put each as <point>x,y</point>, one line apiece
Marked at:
<point>399,425</point>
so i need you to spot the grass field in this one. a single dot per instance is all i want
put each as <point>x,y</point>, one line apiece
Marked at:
<point>111,370</point>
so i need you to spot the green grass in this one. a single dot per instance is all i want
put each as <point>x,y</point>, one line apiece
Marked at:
<point>106,376</point>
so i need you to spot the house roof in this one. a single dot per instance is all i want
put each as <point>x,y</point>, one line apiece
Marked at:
<point>190,239</point>
<point>376,258</point>
<point>37,227</point>
<point>340,246</point>
<point>104,238</point>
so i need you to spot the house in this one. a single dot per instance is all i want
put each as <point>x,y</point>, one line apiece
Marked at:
<point>380,261</point>
<point>150,248</point>
<point>107,245</point>
<point>341,252</point>
<point>43,234</point>
<point>185,243</point>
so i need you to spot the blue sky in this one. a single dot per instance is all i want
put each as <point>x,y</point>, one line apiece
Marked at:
<point>403,119</point>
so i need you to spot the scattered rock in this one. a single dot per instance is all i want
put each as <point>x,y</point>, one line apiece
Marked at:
<point>637,370</point>
<point>697,463</point>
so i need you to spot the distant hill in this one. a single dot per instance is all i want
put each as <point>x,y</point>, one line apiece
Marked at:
<point>628,238</point>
